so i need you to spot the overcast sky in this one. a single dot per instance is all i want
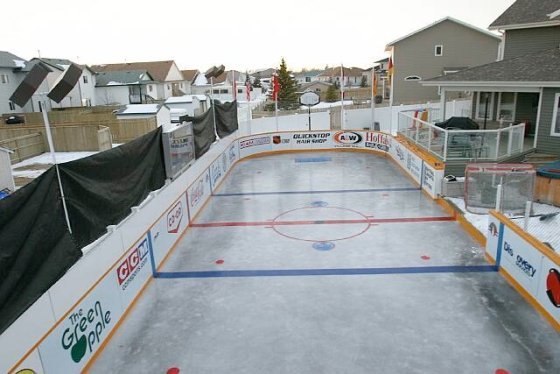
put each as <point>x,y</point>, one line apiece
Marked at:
<point>242,34</point>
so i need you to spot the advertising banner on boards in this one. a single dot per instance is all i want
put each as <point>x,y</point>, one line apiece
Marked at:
<point>169,228</point>
<point>254,144</point>
<point>71,344</point>
<point>198,193</point>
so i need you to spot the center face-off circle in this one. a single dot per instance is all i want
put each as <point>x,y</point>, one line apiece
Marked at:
<point>321,224</point>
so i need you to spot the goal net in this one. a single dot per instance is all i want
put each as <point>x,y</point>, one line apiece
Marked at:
<point>482,183</point>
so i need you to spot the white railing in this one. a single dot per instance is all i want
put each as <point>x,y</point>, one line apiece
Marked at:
<point>452,144</point>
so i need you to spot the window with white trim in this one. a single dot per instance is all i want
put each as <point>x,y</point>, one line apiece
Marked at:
<point>555,128</point>
<point>12,105</point>
<point>4,78</point>
<point>506,106</point>
<point>438,50</point>
<point>413,78</point>
<point>85,79</point>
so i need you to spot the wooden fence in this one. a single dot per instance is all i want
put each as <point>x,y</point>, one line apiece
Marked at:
<point>24,147</point>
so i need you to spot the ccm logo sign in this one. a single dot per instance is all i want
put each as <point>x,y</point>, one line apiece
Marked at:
<point>174,218</point>
<point>347,137</point>
<point>132,261</point>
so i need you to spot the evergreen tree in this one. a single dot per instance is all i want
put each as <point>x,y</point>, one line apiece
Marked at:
<point>332,94</point>
<point>287,97</point>
<point>364,81</point>
<point>257,81</point>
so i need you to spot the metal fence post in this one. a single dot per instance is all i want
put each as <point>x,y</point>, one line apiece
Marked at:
<point>445,145</point>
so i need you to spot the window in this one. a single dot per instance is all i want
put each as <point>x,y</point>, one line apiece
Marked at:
<point>555,128</point>
<point>3,78</point>
<point>438,51</point>
<point>506,105</point>
<point>413,78</point>
<point>150,88</point>
<point>168,86</point>
<point>215,92</point>
<point>85,79</point>
<point>239,90</point>
<point>307,79</point>
<point>12,106</point>
<point>482,109</point>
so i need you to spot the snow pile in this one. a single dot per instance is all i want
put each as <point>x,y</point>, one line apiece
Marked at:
<point>546,230</point>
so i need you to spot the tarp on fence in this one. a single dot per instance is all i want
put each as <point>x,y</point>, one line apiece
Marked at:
<point>203,130</point>
<point>226,119</point>
<point>100,190</point>
<point>36,248</point>
<point>203,125</point>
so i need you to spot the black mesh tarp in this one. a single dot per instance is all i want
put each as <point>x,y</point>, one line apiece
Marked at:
<point>203,130</point>
<point>35,246</point>
<point>203,125</point>
<point>101,189</point>
<point>226,119</point>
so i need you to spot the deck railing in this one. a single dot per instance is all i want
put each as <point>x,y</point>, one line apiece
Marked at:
<point>456,144</point>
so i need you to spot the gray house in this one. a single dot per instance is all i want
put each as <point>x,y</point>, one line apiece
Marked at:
<point>12,71</point>
<point>524,86</point>
<point>444,47</point>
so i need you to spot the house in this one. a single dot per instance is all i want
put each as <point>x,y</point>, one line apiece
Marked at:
<point>146,111</point>
<point>189,77</point>
<point>168,78</point>
<point>524,86</point>
<point>352,76</point>
<point>320,88</point>
<point>443,47</point>
<point>191,105</point>
<point>124,87</point>
<point>307,76</point>
<point>83,93</point>
<point>221,87</point>
<point>12,72</point>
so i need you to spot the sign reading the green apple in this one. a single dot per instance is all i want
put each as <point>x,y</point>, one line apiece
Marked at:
<point>68,348</point>
<point>86,331</point>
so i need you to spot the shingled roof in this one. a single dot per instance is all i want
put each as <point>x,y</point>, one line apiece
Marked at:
<point>9,60</point>
<point>189,75</point>
<point>157,69</point>
<point>528,12</point>
<point>518,69</point>
<point>122,78</point>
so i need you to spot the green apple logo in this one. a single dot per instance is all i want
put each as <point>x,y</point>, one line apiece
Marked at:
<point>79,349</point>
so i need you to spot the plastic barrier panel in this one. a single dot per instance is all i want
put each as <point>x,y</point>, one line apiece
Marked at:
<point>169,229</point>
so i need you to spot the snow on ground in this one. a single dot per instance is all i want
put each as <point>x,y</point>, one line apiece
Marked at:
<point>46,158</point>
<point>324,105</point>
<point>547,231</point>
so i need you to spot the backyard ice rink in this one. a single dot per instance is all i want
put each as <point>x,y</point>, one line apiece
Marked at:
<point>328,262</point>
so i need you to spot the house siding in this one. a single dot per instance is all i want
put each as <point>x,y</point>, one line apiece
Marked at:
<point>525,41</point>
<point>462,47</point>
<point>7,89</point>
<point>545,142</point>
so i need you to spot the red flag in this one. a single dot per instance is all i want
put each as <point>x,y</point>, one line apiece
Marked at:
<point>234,86</point>
<point>390,67</point>
<point>275,87</point>
<point>248,89</point>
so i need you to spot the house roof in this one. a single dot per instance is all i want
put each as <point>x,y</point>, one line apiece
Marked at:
<point>189,75</point>
<point>305,86</point>
<point>309,73</point>
<point>179,99</point>
<point>451,19</point>
<point>348,72</point>
<point>383,60</point>
<point>9,60</point>
<point>139,109</point>
<point>122,78</point>
<point>519,69</point>
<point>528,12</point>
<point>157,69</point>
<point>229,75</point>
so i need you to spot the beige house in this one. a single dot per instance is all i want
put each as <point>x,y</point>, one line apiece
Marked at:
<point>441,48</point>
<point>169,80</point>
